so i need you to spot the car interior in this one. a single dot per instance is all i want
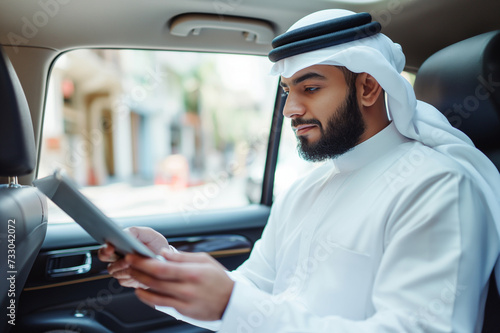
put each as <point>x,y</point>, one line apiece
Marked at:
<point>51,87</point>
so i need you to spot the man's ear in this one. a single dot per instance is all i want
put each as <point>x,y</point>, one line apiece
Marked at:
<point>369,90</point>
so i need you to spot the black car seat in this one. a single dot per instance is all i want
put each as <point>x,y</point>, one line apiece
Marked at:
<point>23,220</point>
<point>463,82</point>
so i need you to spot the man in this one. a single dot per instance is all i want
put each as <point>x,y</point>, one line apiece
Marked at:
<point>395,232</point>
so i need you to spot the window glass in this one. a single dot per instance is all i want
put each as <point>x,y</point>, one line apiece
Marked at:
<point>153,132</point>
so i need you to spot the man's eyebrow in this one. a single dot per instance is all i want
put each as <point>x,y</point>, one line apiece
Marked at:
<point>307,76</point>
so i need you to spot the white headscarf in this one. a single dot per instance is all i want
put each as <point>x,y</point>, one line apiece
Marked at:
<point>384,60</point>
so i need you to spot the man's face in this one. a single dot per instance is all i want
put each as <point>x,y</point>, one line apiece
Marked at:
<point>324,111</point>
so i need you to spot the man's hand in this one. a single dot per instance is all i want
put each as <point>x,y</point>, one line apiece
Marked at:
<point>118,267</point>
<point>195,284</point>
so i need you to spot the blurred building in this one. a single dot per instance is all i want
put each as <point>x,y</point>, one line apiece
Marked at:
<point>116,116</point>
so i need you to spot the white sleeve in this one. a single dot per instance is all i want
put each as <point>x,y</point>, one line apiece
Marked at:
<point>440,247</point>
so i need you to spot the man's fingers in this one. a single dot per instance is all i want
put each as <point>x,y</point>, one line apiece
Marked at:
<point>107,253</point>
<point>170,270</point>
<point>170,288</point>
<point>150,297</point>
<point>185,256</point>
<point>194,284</point>
<point>130,283</point>
<point>122,274</point>
<point>150,237</point>
<point>153,267</point>
<point>139,232</point>
<point>117,266</point>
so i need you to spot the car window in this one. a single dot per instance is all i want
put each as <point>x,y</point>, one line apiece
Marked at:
<point>153,132</point>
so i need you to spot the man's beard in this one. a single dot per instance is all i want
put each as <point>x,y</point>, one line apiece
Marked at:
<point>343,131</point>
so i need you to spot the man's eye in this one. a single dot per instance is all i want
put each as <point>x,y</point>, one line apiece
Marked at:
<point>311,89</point>
<point>286,92</point>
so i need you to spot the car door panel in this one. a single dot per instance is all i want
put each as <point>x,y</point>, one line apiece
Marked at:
<point>89,300</point>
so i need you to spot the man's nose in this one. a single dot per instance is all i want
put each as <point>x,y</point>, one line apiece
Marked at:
<point>293,107</point>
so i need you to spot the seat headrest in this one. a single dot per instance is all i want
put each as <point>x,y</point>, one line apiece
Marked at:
<point>463,82</point>
<point>17,142</point>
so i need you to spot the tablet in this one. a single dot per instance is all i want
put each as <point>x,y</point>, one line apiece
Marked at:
<point>64,193</point>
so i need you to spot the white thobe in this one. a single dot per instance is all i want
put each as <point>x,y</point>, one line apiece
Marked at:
<point>389,237</point>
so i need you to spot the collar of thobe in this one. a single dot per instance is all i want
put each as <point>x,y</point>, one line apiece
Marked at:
<point>383,59</point>
<point>370,150</point>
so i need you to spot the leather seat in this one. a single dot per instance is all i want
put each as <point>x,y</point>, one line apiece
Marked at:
<point>463,82</point>
<point>23,218</point>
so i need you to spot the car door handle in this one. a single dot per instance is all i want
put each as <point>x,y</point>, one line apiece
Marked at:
<point>69,264</point>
